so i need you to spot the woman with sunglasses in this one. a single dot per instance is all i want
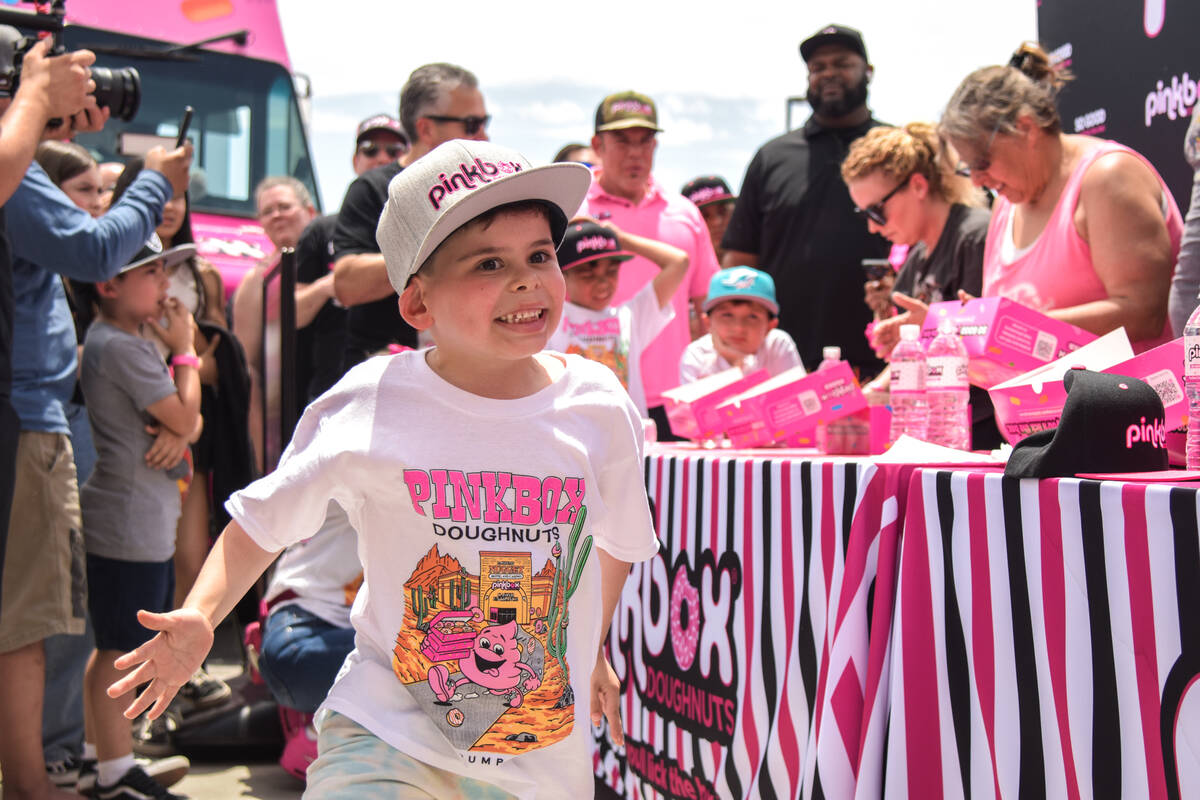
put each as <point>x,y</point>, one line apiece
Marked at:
<point>1083,229</point>
<point>903,183</point>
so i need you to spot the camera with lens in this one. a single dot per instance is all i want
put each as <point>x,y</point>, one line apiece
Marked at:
<point>120,89</point>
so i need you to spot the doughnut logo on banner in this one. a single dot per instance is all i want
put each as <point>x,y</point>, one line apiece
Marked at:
<point>674,631</point>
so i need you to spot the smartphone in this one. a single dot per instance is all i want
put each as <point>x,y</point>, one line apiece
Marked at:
<point>183,125</point>
<point>876,268</point>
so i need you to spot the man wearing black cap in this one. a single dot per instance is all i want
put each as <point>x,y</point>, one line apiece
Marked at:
<point>794,218</point>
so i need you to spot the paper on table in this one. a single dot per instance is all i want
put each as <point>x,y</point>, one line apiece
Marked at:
<point>908,450</point>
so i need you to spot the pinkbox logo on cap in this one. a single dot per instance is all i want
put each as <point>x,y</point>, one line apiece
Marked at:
<point>468,177</point>
<point>707,193</point>
<point>632,107</point>
<point>1153,433</point>
<point>595,243</point>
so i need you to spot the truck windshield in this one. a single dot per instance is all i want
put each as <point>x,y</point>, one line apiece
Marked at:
<point>246,124</point>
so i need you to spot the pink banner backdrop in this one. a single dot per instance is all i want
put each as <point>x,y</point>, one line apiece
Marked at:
<point>1047,640</point>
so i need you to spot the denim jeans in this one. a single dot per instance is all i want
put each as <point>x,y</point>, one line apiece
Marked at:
<point>301,656</point>
<point>62,708</point>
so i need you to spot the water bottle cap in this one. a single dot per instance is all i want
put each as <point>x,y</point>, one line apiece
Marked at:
<point>831,353</point>
<point>910,333</point>
<point>947,326</point>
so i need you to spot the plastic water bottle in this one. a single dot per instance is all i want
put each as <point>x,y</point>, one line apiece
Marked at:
<point>910,409</point>
<point>1191,386</point>
<point>947,389</point>
<point>829,435</point>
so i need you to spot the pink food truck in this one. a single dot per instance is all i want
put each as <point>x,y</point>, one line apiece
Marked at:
<point>226,59</point>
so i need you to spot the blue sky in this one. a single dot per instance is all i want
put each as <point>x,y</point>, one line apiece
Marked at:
<point>721,79</point>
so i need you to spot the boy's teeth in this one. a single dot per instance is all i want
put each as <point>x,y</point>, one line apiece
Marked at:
<point>521,316</point>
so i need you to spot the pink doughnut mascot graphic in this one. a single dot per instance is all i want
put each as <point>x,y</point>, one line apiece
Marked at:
<point>484,646</point>
<point>494,663</point>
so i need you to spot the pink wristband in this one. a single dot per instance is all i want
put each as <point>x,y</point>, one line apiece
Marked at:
<point>185,360</point>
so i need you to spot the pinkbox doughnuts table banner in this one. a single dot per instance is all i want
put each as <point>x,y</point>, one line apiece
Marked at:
<point>1047,640</point>
<point>753,648</point>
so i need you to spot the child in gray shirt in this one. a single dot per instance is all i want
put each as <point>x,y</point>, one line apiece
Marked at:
<point>130,508</point>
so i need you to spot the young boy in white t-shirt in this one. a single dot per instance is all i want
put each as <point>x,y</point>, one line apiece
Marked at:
<point>590,256</point>
<point>743,316</point>
<point>492,486</point>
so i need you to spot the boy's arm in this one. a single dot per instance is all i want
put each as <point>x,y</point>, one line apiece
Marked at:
<point>606,688</point>
<point>179,412</point>
<point>185,635</point>
<point>672,263</point>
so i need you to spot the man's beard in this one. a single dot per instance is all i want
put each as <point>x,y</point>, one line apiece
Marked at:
<point>852,99</point>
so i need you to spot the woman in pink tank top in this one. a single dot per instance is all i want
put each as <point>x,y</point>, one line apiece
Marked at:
<point>1082,228</point>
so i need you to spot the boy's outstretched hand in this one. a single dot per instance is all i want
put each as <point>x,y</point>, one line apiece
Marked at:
<point>166,662</point>
<point>606,699</point>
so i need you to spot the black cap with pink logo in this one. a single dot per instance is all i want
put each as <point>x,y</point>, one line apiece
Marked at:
<point>586,242</point>
<point>1109,424</point>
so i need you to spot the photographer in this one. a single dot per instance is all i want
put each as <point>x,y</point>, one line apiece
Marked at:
<point>53,87</point>
<point>42,583</point>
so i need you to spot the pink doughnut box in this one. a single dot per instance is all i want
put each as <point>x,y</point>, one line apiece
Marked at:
<point>439,646</point>
<point>1004,338</point>
<point>692,407</point>
<point>1034,401</point>
<point>787,408</point>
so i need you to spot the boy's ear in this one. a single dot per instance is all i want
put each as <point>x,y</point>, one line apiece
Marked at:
<point>773,323</point>
<point>106,289</point>
<point>412,305</point>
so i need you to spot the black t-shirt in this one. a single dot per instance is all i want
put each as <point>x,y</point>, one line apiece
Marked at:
<point>955,263</point>
<point>375,325</point>
<point>319,345</point>
<point>794,212</point>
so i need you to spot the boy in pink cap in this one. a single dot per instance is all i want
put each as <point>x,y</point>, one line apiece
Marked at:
<point>590,256</point>
<point>498,499</point>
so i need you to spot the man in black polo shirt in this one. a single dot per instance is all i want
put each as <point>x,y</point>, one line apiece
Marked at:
<point>439,102</point>
<point>379,141</point>
<point>794,218</point>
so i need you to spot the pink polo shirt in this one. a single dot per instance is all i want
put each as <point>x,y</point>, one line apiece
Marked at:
<point>666,217</point>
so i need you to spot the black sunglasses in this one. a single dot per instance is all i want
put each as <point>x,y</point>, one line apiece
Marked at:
<point>471,125</point>
<point>875,212</point>
<point>370,149</point>
<point>983,164</point>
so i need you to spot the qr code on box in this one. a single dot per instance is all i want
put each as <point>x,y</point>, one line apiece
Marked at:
<point>810,402</point>
<point>1165,383</point>
<point>1045,346</point>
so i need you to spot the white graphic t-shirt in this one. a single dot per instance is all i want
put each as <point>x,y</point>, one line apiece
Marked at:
<point>701,359</point>
<point>615,336</point>
<point>321,574</point>
<point>478,621</point>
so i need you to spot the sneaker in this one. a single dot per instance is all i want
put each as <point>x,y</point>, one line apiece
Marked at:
<point>135,785</point>
<point>166,772</point>
<point>204,691</point>
<point>63,774</point>
<point>155,738</point>
<point>300,751</point>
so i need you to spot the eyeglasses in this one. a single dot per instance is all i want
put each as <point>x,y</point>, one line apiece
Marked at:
<point>278,208</point>
<point>370,149</point>
<point>985,163</point>
<point>471,125</point>
<point>875,212</point>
